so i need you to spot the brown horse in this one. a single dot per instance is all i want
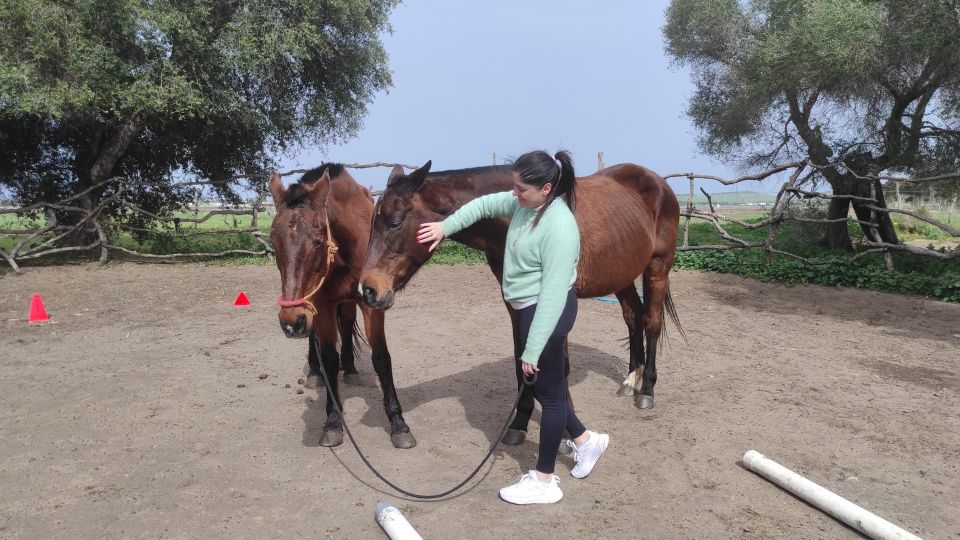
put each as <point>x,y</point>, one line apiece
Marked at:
<point>320,236</point>
<point>628,218</point>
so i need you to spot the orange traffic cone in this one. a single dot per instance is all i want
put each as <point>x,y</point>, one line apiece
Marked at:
<point>241,300</point>
<point>37,312</point>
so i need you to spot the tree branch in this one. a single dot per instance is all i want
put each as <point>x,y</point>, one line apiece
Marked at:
<point>818,151</point>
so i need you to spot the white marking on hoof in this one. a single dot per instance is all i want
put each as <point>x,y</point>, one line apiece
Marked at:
<point>633,379</point>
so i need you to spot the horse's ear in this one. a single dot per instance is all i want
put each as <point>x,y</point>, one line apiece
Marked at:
<point>395,174</point>
<point>416,178</point>
<point>276,189</point>
<point>320,188</point>
<point>318,183</point>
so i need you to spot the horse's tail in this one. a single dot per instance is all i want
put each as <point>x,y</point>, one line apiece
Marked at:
<point>359,340</point>
<point>670,309</point>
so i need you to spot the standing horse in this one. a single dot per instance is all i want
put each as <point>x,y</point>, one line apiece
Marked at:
<point>628,218</point>
<point>320,237</point>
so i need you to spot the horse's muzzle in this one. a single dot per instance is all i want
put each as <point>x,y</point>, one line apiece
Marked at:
<point>374,300</point>
<point>297,328</point>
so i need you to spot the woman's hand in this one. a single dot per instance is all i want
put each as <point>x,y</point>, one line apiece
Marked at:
<point>430,232</point>
<point>528,369</point>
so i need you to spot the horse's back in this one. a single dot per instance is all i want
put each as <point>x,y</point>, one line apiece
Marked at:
<point>626,214</point>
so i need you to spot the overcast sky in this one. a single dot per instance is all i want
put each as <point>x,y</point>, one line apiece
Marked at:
<point>506,76</point>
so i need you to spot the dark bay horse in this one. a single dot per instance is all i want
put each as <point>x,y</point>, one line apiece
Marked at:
<point>320,236</point>
<point>628,218</point>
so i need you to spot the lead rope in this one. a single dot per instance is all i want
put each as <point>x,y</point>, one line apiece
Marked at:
<point>336,405</point>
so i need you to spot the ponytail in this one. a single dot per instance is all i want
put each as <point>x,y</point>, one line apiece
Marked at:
<point>538,168</point>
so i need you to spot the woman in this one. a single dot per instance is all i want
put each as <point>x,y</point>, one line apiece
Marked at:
<point>539,270</point>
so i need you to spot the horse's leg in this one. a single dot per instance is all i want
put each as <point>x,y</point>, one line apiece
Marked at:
<point>400,433</point>
<point>325,326</point>
<point>517,432</point>
<point>313,361</point>
<point>347,318</point>
<point>656,283</point>
<point>632,310</point>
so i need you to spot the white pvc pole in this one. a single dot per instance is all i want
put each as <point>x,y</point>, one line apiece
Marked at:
<point>866,522</point>
<point>394,524</point>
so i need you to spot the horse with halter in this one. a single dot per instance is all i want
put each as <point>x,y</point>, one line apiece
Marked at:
<point>320,237</point>
<point>628,218</point>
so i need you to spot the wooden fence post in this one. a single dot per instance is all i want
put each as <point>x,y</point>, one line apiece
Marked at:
<point>686,223</point>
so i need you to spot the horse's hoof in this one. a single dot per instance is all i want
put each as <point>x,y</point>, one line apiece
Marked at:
<point>626,390</point>
<point>333,437</point>
<point>313,382</point>
<point>513,437</point>
<point>564,449</point>
<point>644,402</point>
<point>403,440</point>
<point>352,379</point>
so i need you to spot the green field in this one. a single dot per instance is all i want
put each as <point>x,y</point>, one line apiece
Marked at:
<point>159,243</point>
<point>738,198</point>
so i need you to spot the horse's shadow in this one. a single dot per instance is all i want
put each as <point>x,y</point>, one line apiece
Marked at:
<point>485,393</point>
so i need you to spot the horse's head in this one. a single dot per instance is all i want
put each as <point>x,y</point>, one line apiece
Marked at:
<point>302,242</point>
<point>393,255</point>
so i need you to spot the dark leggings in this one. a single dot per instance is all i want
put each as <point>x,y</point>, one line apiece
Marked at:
<point>551,388</point>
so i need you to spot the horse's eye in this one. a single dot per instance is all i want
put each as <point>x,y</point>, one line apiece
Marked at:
<point>394,224</point>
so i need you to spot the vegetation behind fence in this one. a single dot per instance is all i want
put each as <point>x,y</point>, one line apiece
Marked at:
<point>776,235</point>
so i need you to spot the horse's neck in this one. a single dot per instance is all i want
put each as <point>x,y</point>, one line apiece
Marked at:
<point>449,193</point>
<point>445,194</point>
<point>349,214</point>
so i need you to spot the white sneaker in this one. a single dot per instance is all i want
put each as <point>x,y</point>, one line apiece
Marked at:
<point>531,490</point>
<point>587,454</point>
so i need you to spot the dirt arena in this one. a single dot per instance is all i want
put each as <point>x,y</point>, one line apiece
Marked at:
<point>139,412</point>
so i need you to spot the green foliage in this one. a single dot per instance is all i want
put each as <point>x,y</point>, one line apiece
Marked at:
<point>846,56</point>
<point>829,44</point>
<point>911,228</point>
<point>913,275</point>
<point>457,253</point>
<point>851,80</point>
<point>148,90</point>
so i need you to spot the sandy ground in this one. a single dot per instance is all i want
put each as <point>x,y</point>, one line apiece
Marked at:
<point>124,416</point>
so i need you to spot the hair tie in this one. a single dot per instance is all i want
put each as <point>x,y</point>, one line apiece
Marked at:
<point>557,161</point>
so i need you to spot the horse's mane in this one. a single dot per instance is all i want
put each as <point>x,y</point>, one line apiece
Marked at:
<point>470,171</point>
<point>296,193</point>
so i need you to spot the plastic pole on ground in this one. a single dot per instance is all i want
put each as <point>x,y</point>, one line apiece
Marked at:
<point>394,524</point>
<point>862,520</point>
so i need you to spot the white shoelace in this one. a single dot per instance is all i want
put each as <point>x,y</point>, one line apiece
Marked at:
<point>577,451</point>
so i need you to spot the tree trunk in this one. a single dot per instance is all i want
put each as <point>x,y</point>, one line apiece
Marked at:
<point>836,235</point>
<point>96,168</point>
<point>885,226</point>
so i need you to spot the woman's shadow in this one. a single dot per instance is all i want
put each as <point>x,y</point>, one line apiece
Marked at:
<point>485,392</point>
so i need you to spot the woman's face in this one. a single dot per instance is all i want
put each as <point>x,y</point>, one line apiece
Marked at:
<point>530,196</point>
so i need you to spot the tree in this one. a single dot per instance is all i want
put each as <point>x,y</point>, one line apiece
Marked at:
<point>872,84</point>
<point>150,89</point>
